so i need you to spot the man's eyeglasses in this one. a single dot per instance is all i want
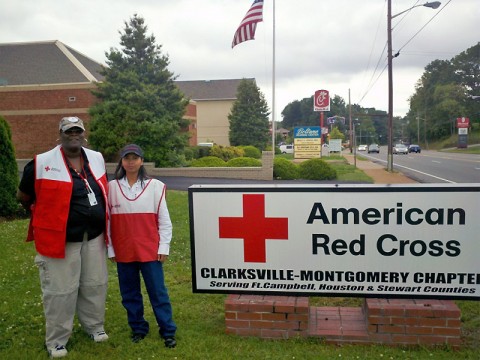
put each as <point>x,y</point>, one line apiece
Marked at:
<point>74,131</point>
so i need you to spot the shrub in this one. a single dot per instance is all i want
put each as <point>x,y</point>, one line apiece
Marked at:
<point>251,152</point>
<point>244,162</point>
<point>201,151</point>
<point>316,169</point>
<point>284,169</point>
<point>8,172</point>
<point>226,153</point>
<point>208,161</point>
<point>190,153</point>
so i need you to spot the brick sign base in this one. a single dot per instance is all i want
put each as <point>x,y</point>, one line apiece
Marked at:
<point>396,322</point>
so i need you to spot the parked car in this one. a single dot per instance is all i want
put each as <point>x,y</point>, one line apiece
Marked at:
<point>362,147</point>
<point>373,148</point>
<point>286,149</point>
<point>400,149</point>
<point>414,148</point>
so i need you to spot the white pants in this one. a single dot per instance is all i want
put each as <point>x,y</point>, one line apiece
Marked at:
<point>77,283</point>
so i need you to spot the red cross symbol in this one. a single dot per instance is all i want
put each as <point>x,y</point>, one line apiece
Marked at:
<point>254,228</point>
<point>47,168</point>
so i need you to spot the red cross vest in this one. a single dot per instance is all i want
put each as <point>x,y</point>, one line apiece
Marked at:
<point>53,190</point>
<point>134,227</point>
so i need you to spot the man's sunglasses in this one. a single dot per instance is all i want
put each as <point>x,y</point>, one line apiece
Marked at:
<point>74,131</point>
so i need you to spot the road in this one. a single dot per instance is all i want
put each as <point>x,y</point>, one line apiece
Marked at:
<point>183,183</point>
<point>433,166</point>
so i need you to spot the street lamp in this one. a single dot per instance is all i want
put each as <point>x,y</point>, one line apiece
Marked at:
<point>432,5</point>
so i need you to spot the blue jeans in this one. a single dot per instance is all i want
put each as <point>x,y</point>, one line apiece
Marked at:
<point>132,300</point>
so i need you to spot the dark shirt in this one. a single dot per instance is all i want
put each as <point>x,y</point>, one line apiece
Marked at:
<point>82,217</point>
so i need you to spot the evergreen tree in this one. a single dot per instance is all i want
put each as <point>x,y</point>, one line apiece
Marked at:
<point>139,101</point>
<point>8,172</point>
<point>249,117</point>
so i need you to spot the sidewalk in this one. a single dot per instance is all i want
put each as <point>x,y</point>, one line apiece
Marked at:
<point>378,173</point>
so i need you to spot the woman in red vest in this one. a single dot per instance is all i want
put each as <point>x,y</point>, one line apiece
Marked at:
<point>140,233</point>
<point>66,191</point>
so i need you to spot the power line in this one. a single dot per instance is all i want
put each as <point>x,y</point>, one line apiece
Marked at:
<point>370,85</point>
<point>423,27</point>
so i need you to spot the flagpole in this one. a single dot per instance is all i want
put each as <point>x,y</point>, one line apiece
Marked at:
<point>273,82</point>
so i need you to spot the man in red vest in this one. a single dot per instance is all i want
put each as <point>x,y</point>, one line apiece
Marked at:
<point>66,190</point>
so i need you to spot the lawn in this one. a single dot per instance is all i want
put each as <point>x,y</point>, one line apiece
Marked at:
<point>200,317</point>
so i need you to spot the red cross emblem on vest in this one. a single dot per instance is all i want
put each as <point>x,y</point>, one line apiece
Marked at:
<point>254,228</point>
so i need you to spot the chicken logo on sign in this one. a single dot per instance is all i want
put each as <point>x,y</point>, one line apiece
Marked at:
<point>463,123</point>
<point>321,101</point>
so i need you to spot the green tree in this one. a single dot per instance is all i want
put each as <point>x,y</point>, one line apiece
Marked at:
<point>301,113</point>
<point>249,117</point>
<point>8,171</point>
<point>443,93</point>
<point>365,130</point>
<point>139,101</point>
<point>467,65</point>
<point>337,134</point>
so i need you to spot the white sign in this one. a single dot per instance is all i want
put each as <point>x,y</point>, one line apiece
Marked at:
<point>335,145</point>
<point>462,131</point>
<point>337,240</point>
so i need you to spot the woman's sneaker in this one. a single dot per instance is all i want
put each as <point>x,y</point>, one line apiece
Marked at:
<point>170,342</point>
<point>99,336</point>
<point>57,351</point>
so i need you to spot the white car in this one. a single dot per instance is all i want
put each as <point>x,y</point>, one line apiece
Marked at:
<point>400,149</point>
<point>362,147</point>
<point>286,149</point>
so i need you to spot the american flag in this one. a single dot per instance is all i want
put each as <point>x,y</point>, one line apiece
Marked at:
<point>246,30</point>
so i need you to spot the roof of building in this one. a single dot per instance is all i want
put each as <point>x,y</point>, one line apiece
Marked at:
<point>45,63</point>
<point>199,90</point>
<point>52,62</point>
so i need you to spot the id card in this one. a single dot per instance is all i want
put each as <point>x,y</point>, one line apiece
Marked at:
<point>92,199</point>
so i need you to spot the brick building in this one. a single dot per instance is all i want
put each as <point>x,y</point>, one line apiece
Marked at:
<point>40,82</point>
<point>213,100</point>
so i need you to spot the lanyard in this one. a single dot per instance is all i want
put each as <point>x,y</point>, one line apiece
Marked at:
<point>83,175</point>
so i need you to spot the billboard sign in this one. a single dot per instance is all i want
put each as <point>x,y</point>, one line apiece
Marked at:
<point>321,100</point>
<point>463,122</point>
<point>335,120</point>
<point>391,241</point>
<point>307,142</point>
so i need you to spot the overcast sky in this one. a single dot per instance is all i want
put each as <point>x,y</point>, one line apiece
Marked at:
<point>335,45</point>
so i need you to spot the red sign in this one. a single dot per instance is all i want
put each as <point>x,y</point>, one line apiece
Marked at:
<point>463,123</point>
<point>321,101</point>
<point>254,228</point>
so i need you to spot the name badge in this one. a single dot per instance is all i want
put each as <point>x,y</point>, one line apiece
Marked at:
<point>92,199</point>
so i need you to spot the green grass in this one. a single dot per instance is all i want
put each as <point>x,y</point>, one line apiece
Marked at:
<point>469,150</point>
<point>449,143</point>
<point>200,317</point>
<point>347,172</point>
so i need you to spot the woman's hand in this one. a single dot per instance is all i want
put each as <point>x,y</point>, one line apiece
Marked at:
<point>162,258</point>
